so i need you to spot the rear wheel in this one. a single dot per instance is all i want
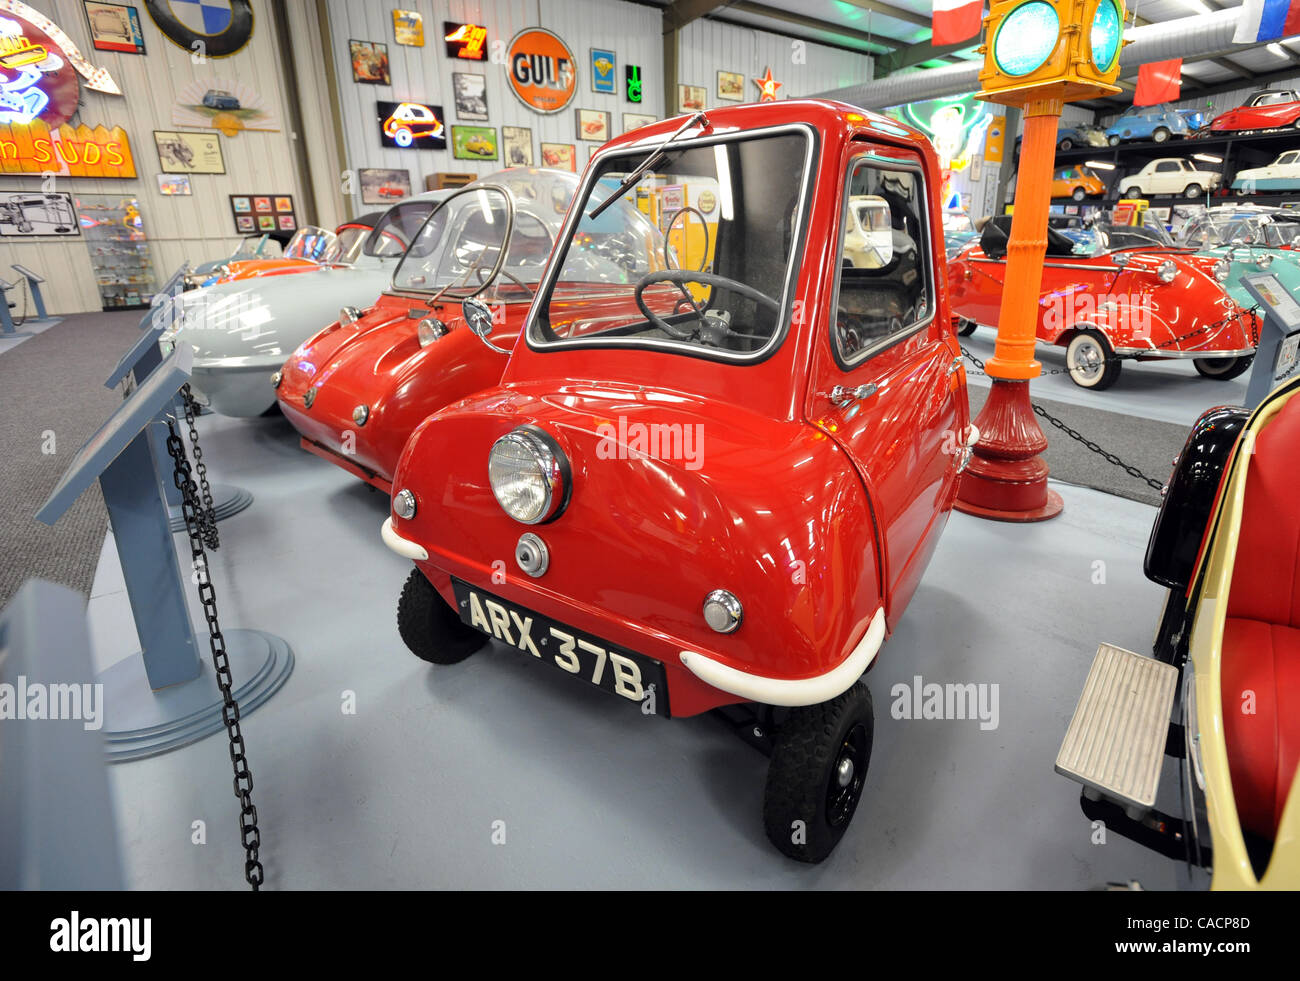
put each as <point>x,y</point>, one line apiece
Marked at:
<point>1065,144</point>
<point>1133,192</point>
<point>1160,135</point>
<point>1113,140</point>
<point>1078,194</point>
<point>1091,361</point>
<point>1221,369</point>
<point>965,327</point>
<point>430,628</point>
<point>818,769</point>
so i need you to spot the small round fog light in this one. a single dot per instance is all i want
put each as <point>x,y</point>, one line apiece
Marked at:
<point>360,414</point>
<point>722,611</point>
<point>531,554</point>
<point>404,504</point>
<point>276,379</point>
<point>309,397</point>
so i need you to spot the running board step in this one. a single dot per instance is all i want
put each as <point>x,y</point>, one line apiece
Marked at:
<point>1115,744</point>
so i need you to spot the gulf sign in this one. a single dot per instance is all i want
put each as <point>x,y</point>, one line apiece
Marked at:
<point>541,70</point>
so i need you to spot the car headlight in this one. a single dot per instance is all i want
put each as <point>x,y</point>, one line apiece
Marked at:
<point>429,330</point>
<point>1264,261</point>
<point>349,315</point>
<point>1167,271</point>
<point>1221,271</point>
<point>529,474</point>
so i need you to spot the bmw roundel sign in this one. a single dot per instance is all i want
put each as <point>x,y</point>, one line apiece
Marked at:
<point>215,28</point>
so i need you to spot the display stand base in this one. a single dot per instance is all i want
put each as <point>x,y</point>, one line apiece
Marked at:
<point>139,723</point>
<point>227,500</point>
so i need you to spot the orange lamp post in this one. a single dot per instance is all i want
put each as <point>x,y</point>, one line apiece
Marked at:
<point>1038,54</point>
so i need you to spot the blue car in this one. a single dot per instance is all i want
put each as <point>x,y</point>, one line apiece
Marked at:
<point>219,99</point>
<point>1070,135</point>
<point>1154,123</point>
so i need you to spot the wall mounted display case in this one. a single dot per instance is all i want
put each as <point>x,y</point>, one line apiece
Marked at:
<point>119,250</point>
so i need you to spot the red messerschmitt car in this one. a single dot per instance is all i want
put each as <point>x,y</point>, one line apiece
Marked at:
<point>1269,109</point>
<point>1111,292</point>
<point>717,485</point>
<point>357,389</point>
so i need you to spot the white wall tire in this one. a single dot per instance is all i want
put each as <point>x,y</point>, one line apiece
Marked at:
<point>1091,361</point>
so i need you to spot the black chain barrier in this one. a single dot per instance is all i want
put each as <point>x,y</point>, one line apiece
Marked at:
<point>208,514</point>
<point>250,834</point>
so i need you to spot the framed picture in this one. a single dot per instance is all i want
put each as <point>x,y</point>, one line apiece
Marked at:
<point>262,206</point>
<point>46,213</point>
<point>241,204</point>
<point>284,203</point>
<point>381,185</point>
<point>731,86</point>
<point>287,223</point>
<point>408,28</point>
<point>470,91</point>
<point>174,185</point>
<point>690,98</point>
<point>114,27</point>
<point>593,125</point>
<point>635,120</point>
<point>245,223</point>
<point>559,156</point>
<point>369,62</point>
<point>189,153</point>
<point>517,146</point>
<point>266,223</point>
<point>602,71</point>
<point>474,142</point>
<point>411,126</point>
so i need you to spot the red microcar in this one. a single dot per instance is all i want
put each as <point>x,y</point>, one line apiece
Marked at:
<point>1269,109</point>
<point>723,501</point>
<point>357,389</point>
<point>1112,292</point>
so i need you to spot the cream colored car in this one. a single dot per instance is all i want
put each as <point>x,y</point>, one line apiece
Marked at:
<point>1170,176</point>
<point>869,240</point>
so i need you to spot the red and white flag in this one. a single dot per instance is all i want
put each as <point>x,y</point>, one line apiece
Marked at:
<point>955,20</point>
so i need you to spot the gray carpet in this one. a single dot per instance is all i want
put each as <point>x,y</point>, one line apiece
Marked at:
<point>1143,443</point>
<point>54,383</point>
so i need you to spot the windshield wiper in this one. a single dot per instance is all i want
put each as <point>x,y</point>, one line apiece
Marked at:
<point>646,164</point>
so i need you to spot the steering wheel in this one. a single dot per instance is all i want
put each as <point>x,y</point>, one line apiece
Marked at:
<point>707,329</point>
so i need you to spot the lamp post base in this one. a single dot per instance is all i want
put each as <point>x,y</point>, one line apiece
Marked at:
<point>1007,479</point>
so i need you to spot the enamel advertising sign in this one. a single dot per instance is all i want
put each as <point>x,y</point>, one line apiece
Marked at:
<point>541,70</point>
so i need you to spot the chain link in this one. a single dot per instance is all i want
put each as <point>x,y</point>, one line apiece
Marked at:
<point>208,514</point>
<point>249,833</point>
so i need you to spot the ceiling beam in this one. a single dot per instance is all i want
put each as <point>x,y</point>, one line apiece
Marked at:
<point>874,43</point>
<point>888,10</point>
<point>919,54</point>
<point>679,13</point>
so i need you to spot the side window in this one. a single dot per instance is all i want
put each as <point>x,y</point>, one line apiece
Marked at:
<point>884,271</point>
<point>1167,167</point>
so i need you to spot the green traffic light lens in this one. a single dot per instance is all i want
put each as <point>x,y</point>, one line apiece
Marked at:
<point>1026,37</point>
<point>1105,35</point>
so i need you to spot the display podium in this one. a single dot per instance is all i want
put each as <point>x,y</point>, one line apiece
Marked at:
<point>34,283</point>
<point>166,695</point>
<point>1279,336</point>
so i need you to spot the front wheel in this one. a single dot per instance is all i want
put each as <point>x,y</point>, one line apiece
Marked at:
<point>1078,194</point>
<point>965,327</point>
<point>1092,361</point>
<point>818,769</point>
<point>1133,192</point>
<point>1161,135</point>
<point>403,138</point>
<point>430,628</point>
<point>1221,369</point>
<point>1113,140</point>
<point>1065,144</point>
<point>1193,191</point>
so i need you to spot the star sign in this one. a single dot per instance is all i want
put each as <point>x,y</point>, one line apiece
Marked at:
<point>767,87</point>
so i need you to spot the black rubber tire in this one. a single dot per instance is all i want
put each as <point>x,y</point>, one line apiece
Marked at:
<point>804,757</point>
<point>1160,135</point>
<point>1218,370</point>
<point>1112,140</point>
<point>1109,373</point>
<point>1065,144</point>
<point>966,327</point>
<point>430,628</point>
<point>1132,192</point>
<point>1078,194</point>
<point>1192,191</point>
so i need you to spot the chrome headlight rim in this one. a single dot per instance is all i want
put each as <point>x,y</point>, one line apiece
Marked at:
<point>429,330</point>
<point>349,315</point>
<point>1167,271</point>
<point>404,504</point>
<point>1222,270</point>
<point>552,468</point>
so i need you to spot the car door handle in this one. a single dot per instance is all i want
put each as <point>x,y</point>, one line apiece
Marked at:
<point>842,396</point>
<point>956,363</point>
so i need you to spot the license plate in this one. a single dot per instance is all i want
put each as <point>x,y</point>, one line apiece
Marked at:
<point>631,676</point>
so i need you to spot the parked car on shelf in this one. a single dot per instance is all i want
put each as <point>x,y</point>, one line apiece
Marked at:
<point>1071,135</point>
<point>1076,181</point>
<point>1154,123</point>
<point>356,390</point>
<point>1170,176</point>
<point>1250,242</point>
<point>1114,291</point>
<point>1283,174</point>
<point>566,511</point>
<point>243,330</point>
<point>1221,694</point>
<point>1269,109</point>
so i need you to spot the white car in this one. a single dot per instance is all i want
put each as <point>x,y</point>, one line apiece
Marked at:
<point>243,330</point>
<point>1170,176</point>
<point>869,242</point>
<point>1283,174</point>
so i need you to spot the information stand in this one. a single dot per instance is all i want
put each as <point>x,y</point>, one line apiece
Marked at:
<point>42,319</point>
<point>1279,336</point>
<point>165,696</point>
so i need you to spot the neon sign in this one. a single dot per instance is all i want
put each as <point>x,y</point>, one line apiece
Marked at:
<point>466,41</point>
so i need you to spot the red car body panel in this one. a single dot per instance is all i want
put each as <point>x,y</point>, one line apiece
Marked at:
<point>1276,116</point>
<point>815,515</point>
<point>1146,313</point>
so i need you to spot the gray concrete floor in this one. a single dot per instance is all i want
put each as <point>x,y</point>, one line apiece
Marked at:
<point>406,793</point>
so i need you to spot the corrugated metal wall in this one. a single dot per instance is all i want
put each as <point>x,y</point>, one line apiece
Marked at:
<point>197,228</point>
<point>631,31</point>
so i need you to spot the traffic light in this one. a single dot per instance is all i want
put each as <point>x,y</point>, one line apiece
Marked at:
<point>1051,49</point>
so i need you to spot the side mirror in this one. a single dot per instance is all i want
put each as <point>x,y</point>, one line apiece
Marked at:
<point>478,317</point>
<point>1121,260</point>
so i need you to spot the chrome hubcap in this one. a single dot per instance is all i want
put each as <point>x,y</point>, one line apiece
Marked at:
<point>844,771</point>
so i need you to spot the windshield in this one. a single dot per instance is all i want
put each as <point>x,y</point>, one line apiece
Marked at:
<point>697,254</point>
<point>1104,236</point>
<point>311,243</point>
<point>347,245</point>
<point>1217,231</point>
<point>399,226</point>
<point>258,247</point>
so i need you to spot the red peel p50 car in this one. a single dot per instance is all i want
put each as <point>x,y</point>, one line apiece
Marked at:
<point>1113,291</point>
<point>726,500</point>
